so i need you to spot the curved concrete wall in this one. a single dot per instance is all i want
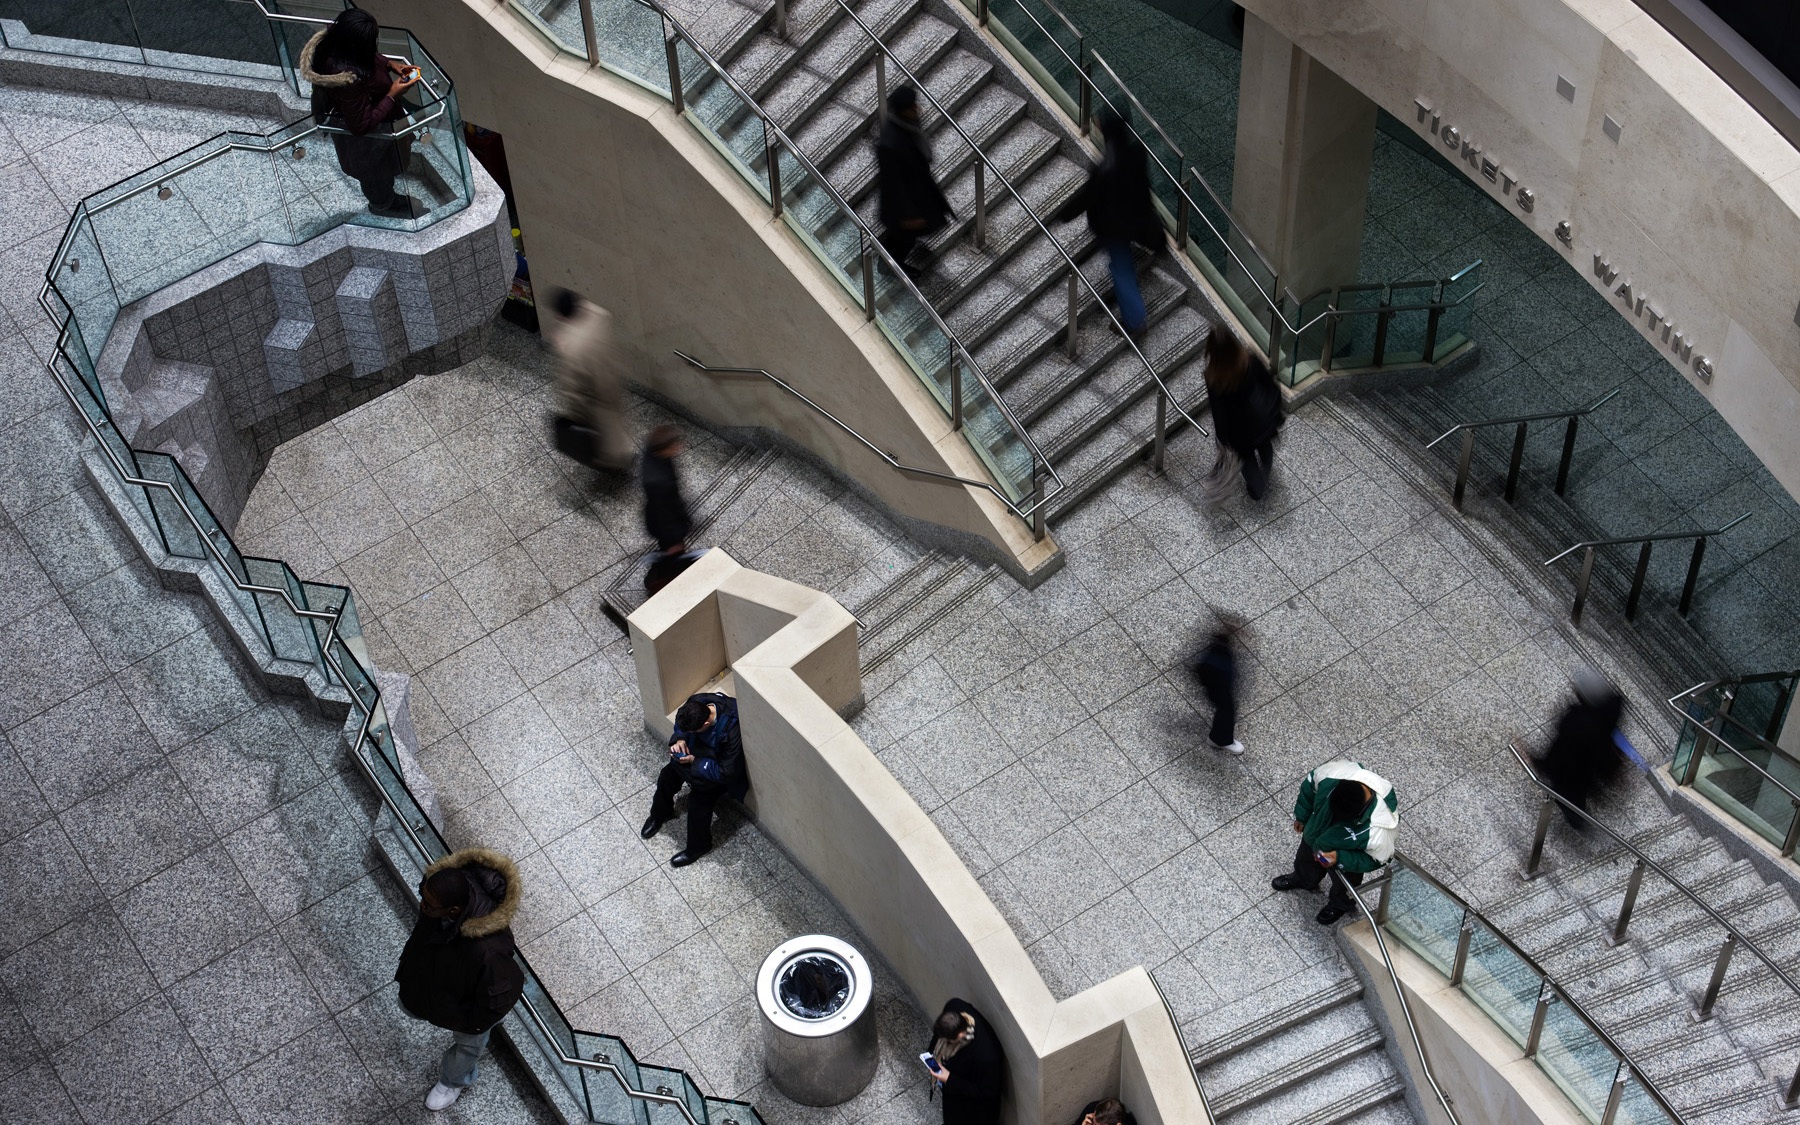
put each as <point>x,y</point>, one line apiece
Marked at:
<point>629,204</point>
<point>1680,202</point>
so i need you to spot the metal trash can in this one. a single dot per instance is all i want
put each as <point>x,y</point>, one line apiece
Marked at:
<point>819,1042</point>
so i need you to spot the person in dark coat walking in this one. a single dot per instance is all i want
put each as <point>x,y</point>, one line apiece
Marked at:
<point>359,89</point>
<point>912,205</point>
<point>666,515</point>
<point>1583,757</point>
<point>972,1073</point>
<point>1246,406</point>
<point>457,969</point>
<point>1116,200</point>
<point>1217,672</point>
<point>706,753</point>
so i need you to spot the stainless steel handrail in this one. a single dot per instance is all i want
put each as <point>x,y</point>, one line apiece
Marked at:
<point>1412,1027</point>
<point>1551,990</point>
<point>1792,840</point>
<point>1186,1051</point>
<point>1521,421</point>
<point>1643,565</point>
<point>911,470</point>
<point>870,246</point>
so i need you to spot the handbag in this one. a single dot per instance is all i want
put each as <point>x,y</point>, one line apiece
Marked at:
<point>576,441</point>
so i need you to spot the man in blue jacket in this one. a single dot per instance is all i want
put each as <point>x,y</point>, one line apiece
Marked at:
<point>707,755</point>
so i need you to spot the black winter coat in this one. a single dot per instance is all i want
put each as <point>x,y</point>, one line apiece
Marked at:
<point>1249,414</point>
<point>977,1073</point>
<point>462,977</point>
<point>1116,196</point>
<point>1583,756</point>
<point>722,742</point>
<point>356,100</point>
<point>903,175</point>
<point>665,512</point>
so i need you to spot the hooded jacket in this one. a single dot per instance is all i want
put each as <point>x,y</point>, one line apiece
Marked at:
<point>359,98</point>
<point>459,973</point>
<point>722,743</point>
<point>1363,845</point>
<point>1116,196</point>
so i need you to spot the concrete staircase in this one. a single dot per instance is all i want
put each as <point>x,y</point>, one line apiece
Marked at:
<point>911,604</point>
<point>1093,414</point>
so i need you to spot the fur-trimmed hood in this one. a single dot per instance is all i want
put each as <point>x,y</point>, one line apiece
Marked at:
<point>501,916</point>
<point>339,78</point>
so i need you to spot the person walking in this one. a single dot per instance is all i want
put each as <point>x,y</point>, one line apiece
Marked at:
<point>666,517</point>
<point>1216,669</point>
<point>1246,409</point>
<point>359,89</point>
<point>1116,200</point>
<point>912,206</point>
<point>457,969</point>
<point>590,389</point>
<point>1348,818</point>
<point>1584,757</point>
<point>706,753</point>
<point>971,1065</point>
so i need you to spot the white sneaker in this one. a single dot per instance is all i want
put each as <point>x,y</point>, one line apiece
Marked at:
<point>442,1096</point>
<point>1229,748</point>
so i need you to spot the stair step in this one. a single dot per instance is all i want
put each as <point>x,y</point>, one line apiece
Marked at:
<point>1346,1060</point>
<point>1363,1106</point>
<point>1276,1022</point>
<point>1300,1045</point>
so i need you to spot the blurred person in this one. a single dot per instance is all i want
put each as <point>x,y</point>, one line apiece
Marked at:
<point>1246,408</point>
<point>666,517</point>
<point>971,1065</point>
<point>1584,756</point>
<point>1116,200</point>
<point>1348,820</point>
<point>1216,670</point>
<point>363,89</point>
<point>1106,1111</point>
<point>912,206</point>
<point>457,969</point>
<point>706,753</point>
<point>590,389</point>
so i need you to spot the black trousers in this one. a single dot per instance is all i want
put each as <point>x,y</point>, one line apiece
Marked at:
<point>1257,464</point>
<point>703,797</point>
<point>1308,872</point>
<point>899,242</point>
<point>1224,724</point>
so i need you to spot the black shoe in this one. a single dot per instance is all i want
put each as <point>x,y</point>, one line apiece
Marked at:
<point>682,858</point>
<point>1288,883</point>
<point>403,207</point>
<point>1329,914</point>
<point>651,825</point>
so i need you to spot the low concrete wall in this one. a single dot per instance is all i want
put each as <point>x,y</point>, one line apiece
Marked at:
<point>1480,1068</point>
<point>822,795</point>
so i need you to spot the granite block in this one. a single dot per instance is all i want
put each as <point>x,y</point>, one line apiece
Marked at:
<point>283,1088</point>
<point>77,978</point>
<point>140,1065</point>
<point>246,1004</point>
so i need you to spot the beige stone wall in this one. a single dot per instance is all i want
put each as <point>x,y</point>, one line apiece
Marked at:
<point>823,795</point>
<point>630,205</point>
<point>1696,204</point>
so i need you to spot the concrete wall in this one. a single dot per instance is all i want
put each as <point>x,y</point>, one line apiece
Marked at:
<point>630,205</point>
<point>1694,204</point>
<point>825,798</point>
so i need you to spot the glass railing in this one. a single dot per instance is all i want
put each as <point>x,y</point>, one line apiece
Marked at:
<point>1728,750</point>
<point>1533,1009</point>
<point>228,37</point>
<point>137,236</point>
<point>1352,327</point>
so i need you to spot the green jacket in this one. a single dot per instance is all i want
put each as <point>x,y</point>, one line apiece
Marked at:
<point>1362,846</point>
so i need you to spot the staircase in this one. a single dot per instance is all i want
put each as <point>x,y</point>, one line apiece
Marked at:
<point>1319,1061</point>
<point>1093,414</point>
<point>918,598</point>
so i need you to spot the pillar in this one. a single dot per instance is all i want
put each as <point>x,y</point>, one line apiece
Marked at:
<point>1305,139</point>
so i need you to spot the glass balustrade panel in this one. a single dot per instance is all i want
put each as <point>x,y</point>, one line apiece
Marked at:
<point>561,1036</point>
<point>179,536</point>
<point>1043,44</point>
<point>995,440</point>
<point>1501,983</point>
<point>605,1091</point>
<point>558,20</point>
<point>98,29</point>
<point>724,117</point>
<point>1406,331</point>
<point>1577,1059</point>
<point>223,37</point>
<point>908,322</point>
<point>84,288</point>
<point>1455,321</point>
<point>289,637</point>
<point>1637,1106</point>
<point>1424,918</point>
<point>671,1083</point>
<point>630,38</point>
<point>824,224</point>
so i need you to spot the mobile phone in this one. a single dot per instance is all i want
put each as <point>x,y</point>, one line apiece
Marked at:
<point>930,1062</point>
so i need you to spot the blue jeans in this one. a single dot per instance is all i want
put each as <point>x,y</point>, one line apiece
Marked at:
<point>1125,285</point>
<point>459,1068</point>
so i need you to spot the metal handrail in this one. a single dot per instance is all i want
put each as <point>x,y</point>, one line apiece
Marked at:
<point>1521,421</point>
<point>1643,565</point>
<point>870,246</point>
<point>1550,990</point>
<point>1734,936</point>
<point>1692,772</point>
<point>1181,1039</point>
<point>892,463</point>
<point>1412,1028</point>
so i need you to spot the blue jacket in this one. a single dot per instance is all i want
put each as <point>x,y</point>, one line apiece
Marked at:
<point>718,750</point>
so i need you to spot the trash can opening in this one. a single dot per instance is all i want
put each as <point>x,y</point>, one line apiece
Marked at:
<point>814,985</point>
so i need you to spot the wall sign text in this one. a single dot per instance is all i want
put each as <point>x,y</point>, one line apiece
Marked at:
<point>1484,164</point>
<point>1638,304</point>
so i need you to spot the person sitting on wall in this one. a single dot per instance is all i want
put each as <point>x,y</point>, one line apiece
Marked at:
<point>1106,1111</point>
<point>706,753</point>
<point>970,1067</point>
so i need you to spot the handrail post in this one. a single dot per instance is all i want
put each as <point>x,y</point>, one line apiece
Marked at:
<point>1617,1094</point>
<point>1037,499</point>
<point>1181,222</point>
<point>770,153</point>
<point>868,275</point>
<point>981,193</point>
<point>1637,580</point>
<point>1718,979</point>
<point>981,13</point>
<point>1562,468</point>
<point>954,371</point>
<point>881,110</point>
<point>1462,467</point>
<point>1074,312</point>
<point>1546,994</point>
<point>1581,585</point>
<point>1693,576</point>
<point>589,36</point>
<point>1381,329</point>
<point>1793,1090</point>
<point>1275,311</point>
<point>1793,834</point>
<point>1381,903</point>
<point>676,97</point>
<point>781,19</point>
<point>1537,839</point>
<point>1431,333</point>
<point>1518,458</point>
<point>1464,935</point>
<point>1162,422</point>
<point>1626,907</point>
<point>1331,323</point>
<point>1086,112</point>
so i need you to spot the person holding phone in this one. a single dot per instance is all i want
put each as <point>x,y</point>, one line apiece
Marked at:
<point>966,1060</point>
<point>358,89</point>
<point>1348,820</point>
<point>706,753</point>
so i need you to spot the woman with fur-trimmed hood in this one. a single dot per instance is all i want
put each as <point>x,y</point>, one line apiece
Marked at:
<point>357,88</point>
<point>457,970</point>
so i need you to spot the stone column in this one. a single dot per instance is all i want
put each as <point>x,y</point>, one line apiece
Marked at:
<point>1305,138</point>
